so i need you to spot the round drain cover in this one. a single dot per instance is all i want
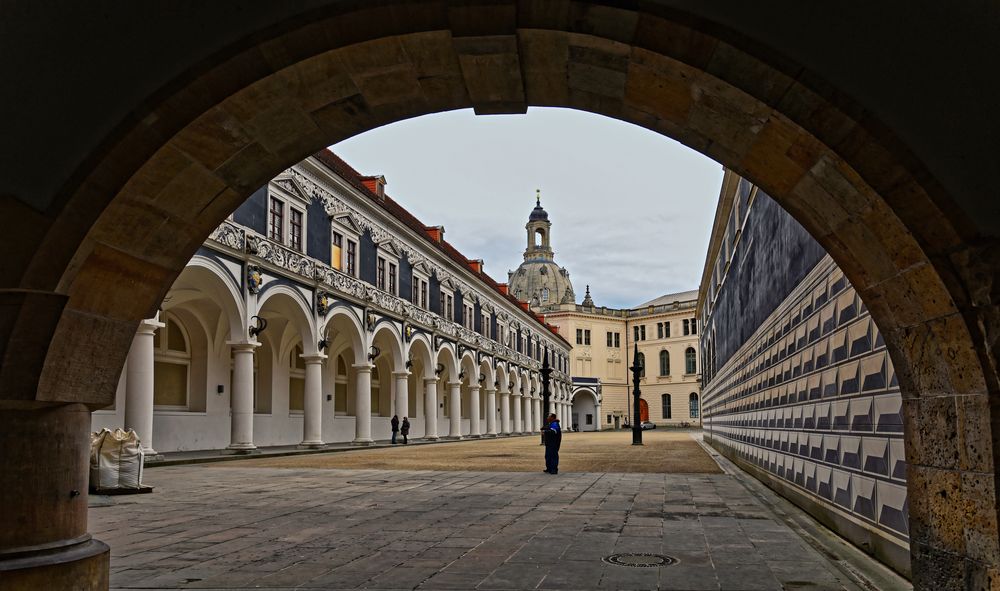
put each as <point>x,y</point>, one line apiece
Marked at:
<point>640,560</point>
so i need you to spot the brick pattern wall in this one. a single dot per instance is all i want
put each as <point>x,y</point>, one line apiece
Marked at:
<point>812,399</point>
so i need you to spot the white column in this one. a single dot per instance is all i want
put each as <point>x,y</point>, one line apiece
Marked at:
<point>430,408</point>
<point>516,401</point>
<point>529,426</point>
<point>597,418</point>
<point>454,410</point>
<point>241,435</point>
<point>312,402</point>
<point>474,430</point>
<point>402,394</point>
<point>139,387</point>
<point>491,412</point>
<point>536,412</point>
<point>363,405</point>
<point>505,412</point>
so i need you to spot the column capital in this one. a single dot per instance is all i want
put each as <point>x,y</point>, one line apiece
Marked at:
<point>313,357</point>
<point>242,345</point>
<point>149,326</point>
<point>363,367</point>
<point>455,384</point>
<point>401,374</point>
<point>474,387</point>
<point>491,390</point>
<point>430,381</point>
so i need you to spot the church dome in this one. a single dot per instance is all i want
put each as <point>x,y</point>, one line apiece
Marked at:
<point>539,280</point>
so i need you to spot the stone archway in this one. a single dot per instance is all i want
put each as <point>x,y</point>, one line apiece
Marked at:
<point>84,269</point>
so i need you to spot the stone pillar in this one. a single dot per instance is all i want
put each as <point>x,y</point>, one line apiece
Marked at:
<point>536,412</point>
<point>597,416</point>
<point>454,410</point>
<point>363,405</point>
<point>312,402</point>
<point>402,393</point>
<point>491,412</point>
<point>474,412</point>
<point>139,387</point>
<point>241,421</point>
<point>529,425</point>
<point>430,408</point>
<point>505,413</point>
<point>516,401</point>
<point>44,544</point>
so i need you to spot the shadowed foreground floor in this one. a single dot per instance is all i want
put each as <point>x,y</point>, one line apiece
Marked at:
<point>239,526</point>
<point>662,452</point>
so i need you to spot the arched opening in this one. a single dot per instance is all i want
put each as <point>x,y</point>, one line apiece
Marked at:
<point>116,232</point>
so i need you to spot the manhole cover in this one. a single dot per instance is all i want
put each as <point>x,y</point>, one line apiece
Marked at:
<point>640,560</point>
<point>367,481</point>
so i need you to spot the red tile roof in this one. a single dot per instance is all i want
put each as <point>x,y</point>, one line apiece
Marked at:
<point>432,234</point>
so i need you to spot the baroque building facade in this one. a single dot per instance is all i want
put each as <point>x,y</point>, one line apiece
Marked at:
<point>316,312</point>
<point>603,340</point>
<point>798,387</point>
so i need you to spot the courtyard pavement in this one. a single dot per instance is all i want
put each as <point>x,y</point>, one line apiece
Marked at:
<point>238,527</point>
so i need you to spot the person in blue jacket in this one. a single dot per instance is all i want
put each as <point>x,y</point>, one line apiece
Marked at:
<point>553,438</point>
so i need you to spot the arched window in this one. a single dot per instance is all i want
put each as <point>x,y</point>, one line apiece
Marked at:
<point>665,402</point>
<point>296,380</point>
<point>171,365</point>
<point>641,360</point>
<point>664,363</point>
<point>690,363</point>
<point>693,405</point>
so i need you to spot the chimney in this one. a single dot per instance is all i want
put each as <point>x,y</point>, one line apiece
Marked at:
<point>435,232</point>
<point>476,265</point>
<point>504,288</point>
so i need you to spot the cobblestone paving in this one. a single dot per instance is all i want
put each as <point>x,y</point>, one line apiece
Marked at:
<point>236,528</point>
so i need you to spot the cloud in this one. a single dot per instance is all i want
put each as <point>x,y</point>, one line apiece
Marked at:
<point>631,210</point>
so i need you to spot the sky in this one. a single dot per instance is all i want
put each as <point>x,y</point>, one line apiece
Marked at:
<point>631,210</point>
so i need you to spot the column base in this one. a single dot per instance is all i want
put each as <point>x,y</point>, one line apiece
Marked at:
<point>241,449</point>
<point>491,435</point>
<point>430,437</point>
<point>363,442</point>
<point>474,436</point>
<point>83,566</point>
<point>454,437</point>
<point>311,445</point>
<point>153,457</point>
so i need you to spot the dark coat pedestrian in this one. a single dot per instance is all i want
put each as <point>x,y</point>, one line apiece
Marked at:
<point>404,429</point>
<point>553,439</point>
<point>395,427</point>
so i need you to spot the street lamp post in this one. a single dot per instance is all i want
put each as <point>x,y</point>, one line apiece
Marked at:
<point>546,372</point>
<point>636,424</point>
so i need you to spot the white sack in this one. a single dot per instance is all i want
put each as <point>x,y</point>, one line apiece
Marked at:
<point>116,460</point>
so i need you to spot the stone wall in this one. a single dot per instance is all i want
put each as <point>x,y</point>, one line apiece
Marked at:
<point>810,405</point>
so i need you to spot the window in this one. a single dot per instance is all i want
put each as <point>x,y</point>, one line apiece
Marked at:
<point>450,307</point>
<point>423,294</point>
<point>579,336</point>
<point>665,402</point>
<point>545,294</point>
<point>693,405</point>
<point>664,363</point>
<point>694,326</point>
<point>276,220</point>
<point>618,340</point>
<point>690,363</point>
<point>590,420</point>
<point>610,341</point>
<point>635,333</point>
<point>337,251</point>
<point>659,330</point>
<point>172,361</point>
<point>642,332</point>
<point>392,279</point>
<point>380,274</point>
<point>586,337</point>
<point>641,361</point>
<point>295,229</point>
<point>609,419</point>
<point>352,258</point>
<point>484,323</point>
<point>666,330</point>
<point>687,327</point>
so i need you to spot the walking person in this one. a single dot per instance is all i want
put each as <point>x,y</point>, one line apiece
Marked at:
<point>404,429</point>
<point>395,427</point>
<point>553,438</point>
